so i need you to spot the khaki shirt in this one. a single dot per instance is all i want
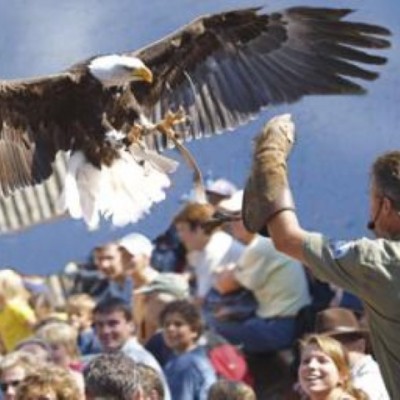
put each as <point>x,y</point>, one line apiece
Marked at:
<point>371,270</point>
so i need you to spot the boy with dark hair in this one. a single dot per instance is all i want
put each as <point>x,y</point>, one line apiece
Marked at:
<point>189,373</point>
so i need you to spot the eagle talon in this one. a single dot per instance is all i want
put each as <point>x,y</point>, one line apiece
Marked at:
<point>135,134</point>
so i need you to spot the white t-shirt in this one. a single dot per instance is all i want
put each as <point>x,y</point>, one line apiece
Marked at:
<point>278,282</point>
<point>222,249</point>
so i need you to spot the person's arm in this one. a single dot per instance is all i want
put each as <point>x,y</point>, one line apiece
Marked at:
<point>287,235</point>
<point>225,282</point>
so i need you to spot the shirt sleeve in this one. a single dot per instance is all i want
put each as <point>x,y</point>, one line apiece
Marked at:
<point>363,267</point>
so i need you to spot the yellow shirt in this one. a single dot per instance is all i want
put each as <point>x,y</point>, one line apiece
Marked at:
<point>15,319</point>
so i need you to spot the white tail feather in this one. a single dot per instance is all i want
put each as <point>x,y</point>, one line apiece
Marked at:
<point>123,192</point>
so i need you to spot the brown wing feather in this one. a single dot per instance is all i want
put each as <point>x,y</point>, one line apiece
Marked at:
<point>224,68</point>
<point>38,118</point>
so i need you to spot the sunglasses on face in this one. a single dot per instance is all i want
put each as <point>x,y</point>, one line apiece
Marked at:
<point>5,385</point>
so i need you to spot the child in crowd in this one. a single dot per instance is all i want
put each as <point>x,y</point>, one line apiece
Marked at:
<point>62,339</point>
<point>189,372</point>
<point>17,318</point>
<point>324,371</point>
<point>80,314</point>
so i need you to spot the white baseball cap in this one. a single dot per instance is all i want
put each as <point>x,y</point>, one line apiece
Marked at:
<point>232,204</point>
<point>136,243</point>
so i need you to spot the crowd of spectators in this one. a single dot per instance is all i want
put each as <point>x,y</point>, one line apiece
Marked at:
<point>134,321</point>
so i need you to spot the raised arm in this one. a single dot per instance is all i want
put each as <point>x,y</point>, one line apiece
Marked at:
<point>268,207</point>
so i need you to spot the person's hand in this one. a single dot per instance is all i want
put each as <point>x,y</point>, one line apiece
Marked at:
<point>267,190</point>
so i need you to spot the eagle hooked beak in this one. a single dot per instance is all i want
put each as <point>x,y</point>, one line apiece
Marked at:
<point>144,74</point>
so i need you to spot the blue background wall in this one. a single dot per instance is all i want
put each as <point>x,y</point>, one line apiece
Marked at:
<point>338,137</point>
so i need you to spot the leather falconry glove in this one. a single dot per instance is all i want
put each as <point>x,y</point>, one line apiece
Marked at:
<point>267,190</point>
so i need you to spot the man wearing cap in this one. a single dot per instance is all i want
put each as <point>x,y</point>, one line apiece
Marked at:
<point>278,283</point>
<point>136,250</point>
<point>342,324</point>
<point>163,289</point>
<point>368,268</point>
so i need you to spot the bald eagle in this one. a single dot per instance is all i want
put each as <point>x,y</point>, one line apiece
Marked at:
<point>219,71</point>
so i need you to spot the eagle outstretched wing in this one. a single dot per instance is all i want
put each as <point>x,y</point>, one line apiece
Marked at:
<point>222,69</point>
<point>38,118</point>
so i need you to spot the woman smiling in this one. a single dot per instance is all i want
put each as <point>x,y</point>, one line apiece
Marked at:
<point>324,372</point>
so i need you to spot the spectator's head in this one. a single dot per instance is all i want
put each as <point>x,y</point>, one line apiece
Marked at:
<point>324,368</point>
<point>36,347</point>
<point>113,377</point>
<point>136,252</point>
<point>62,339</point>
<point>190,222</point>
<point>385,195</point>
<point>80,311</point>
<point>230,390</point>
<point>218,190</point>
<point>182,325</point>
<point>151,382</point>
<point>109,261</point>
<point>14,367</point>
<point>49,382</point>
<point>342,324</point>
<point>113,323</point>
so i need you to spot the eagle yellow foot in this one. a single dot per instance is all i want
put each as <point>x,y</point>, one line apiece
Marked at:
<point>166,125</point>
<point>136,134</point>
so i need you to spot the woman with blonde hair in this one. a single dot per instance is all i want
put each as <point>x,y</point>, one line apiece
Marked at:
<point>324,372</point>
<point>51,383</point>
<point>14,367</point>
<point>62,339</point>
<point>17,318</point>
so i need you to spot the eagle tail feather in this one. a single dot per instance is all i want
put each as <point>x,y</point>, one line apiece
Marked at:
<point>122,193</point>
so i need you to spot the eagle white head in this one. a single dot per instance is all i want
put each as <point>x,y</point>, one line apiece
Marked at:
<point>116,70</point>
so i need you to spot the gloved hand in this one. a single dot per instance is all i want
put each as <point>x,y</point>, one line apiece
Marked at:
<point>267,191</point>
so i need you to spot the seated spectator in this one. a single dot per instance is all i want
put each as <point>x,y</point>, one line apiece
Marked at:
<point>207,248</point>
<point>14,367</point>
<point>278,283</point>
<point>80,313</point>
<point>189,373</point>
<point>324,372</point>
<point>229,390</point>
<point>169,254</point>
<point>136,250</point>
<point>49,382</point>
<point>163,289</point>
<point>114,326</point>
<point>17,318</point>
<point>150,382</point>
<point>62,339</point>
<point>109,261</point>
<point>343,325</point>
<point>112,376</point>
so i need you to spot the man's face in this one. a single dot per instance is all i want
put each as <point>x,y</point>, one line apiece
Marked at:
<point>108,260</point>
<point>192,239</point>
<point>112,329</point>
<point>382,213</point>
<point>134,265</point>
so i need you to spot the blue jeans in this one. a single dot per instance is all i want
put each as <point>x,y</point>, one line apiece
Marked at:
<point>258,335</point>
